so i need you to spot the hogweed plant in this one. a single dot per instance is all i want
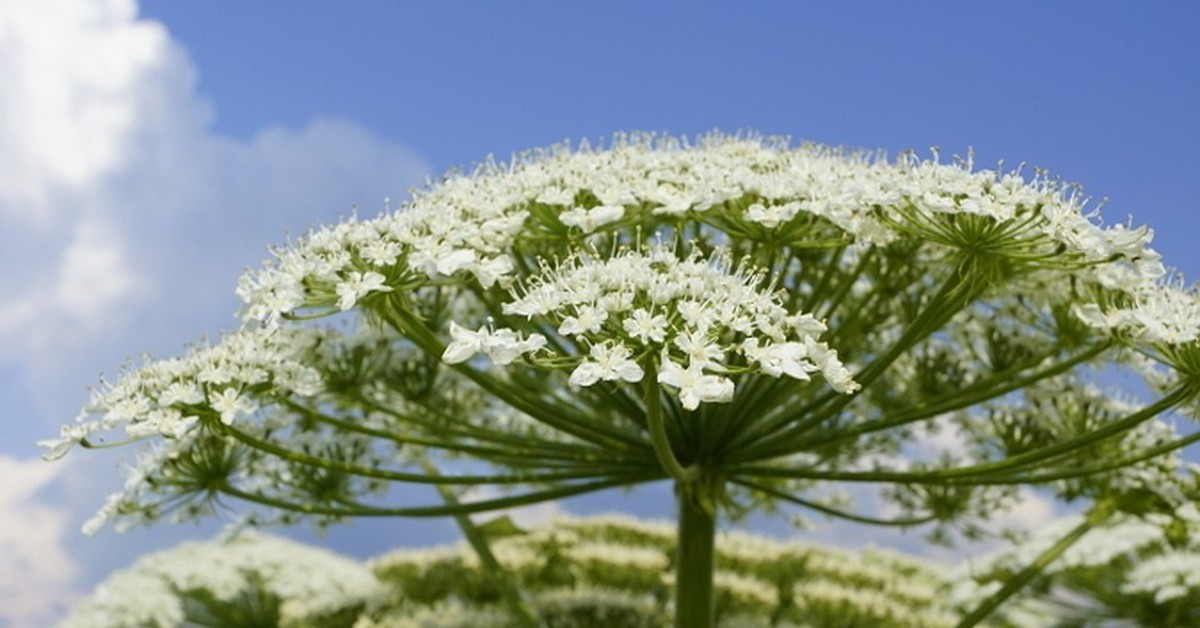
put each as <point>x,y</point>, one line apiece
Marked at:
<point>1139,570</point>
<point>245,580</point>
<point>595,572</point>
<point>756,322</point>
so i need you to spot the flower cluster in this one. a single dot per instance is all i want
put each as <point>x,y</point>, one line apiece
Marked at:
<point>1132,568</point>
<point>696,320</point>
<point>470,223</point>
<point>1158,313</point>
<point>304,583</point>
<point>624,559</point>
<point>167,397</point>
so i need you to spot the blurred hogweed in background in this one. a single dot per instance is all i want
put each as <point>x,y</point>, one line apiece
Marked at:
<point>609,570</point>
<point>1131,570</point>
<point>248,580</point>
<point>624,565</point>
<point>595,572</point>
<point>754,321</point>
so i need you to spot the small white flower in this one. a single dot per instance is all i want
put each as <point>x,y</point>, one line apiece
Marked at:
<point>702,352</point>
<point>839,377</point>
<point>230,403</point>
<point>490,270</point>
<point>181,392</point>
<point>68,436</point>
<point>464,344</point>
<point>502,346</point>
<point>169,423</point>
<point>645,326</point>
<point>609,363</point>
<point>455,260</point>
<point>588,220</point>
<point>380,252</point>
<point>694,385</point>
<point>806,325</point>
<point>587,321</point>
<point>127,408</point>
<point>357,285</point>
<point>787,358</point>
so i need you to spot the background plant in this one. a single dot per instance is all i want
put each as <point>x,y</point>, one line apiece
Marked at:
<point>1121,569</point>
<point>246,580</point>
<point>576,572</point>
<point>750,320</point>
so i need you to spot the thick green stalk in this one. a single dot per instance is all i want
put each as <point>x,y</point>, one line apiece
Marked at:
<point>694,565</point>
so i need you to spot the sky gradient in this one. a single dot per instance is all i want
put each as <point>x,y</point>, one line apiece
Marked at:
<point>150,153</point>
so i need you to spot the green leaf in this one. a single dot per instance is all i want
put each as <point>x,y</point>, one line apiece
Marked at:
<point>500,527</point>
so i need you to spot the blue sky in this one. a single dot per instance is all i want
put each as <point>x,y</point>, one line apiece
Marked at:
<point>149,153</point>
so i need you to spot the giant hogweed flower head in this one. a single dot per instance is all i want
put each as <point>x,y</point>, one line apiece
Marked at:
<point>747,317</point>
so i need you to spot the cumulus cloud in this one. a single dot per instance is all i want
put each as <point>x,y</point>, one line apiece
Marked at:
<point>124,223</point>
<point>71,71</point>
<point>36,572</point>
<point>120,207</point>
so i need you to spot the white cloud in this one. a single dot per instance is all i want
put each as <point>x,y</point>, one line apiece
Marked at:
<point>36,573</point>
<point>124,223</point>
<point>71,70</point>
<point>121,214</point>
<point>93,265</point>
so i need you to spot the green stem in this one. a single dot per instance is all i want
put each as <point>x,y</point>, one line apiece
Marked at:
<point>360,510</point>
<point>658,428</point>
<point>694,561</point>
<point>499,575</point>
<point>525,447</point>
<point>999,384</point>
<point>833,512</point>
<point>763,441</point>
<point>332,464</point>
<point>558,417</point>
<point>984,472</point>
<point>1097,516</point>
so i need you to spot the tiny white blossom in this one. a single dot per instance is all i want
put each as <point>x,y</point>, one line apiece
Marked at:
<point>694,385</point>
<point>588,321</point>
<point>454,260</point>
<point>230,403</point>
<point>490,270</point>
<point>181,392</point>
<point>702,352</point>
<point>69,436</point>
<point>588,220</point>
<point>502,346</point>
<point>357,285</point>
<point>839,377</point>
<point>645,326</point>
<point>787,358</point>
<point>464,343</point>
<point>608,363</point>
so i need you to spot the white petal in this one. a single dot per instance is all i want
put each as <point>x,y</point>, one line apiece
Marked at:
<point>586,374</point>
